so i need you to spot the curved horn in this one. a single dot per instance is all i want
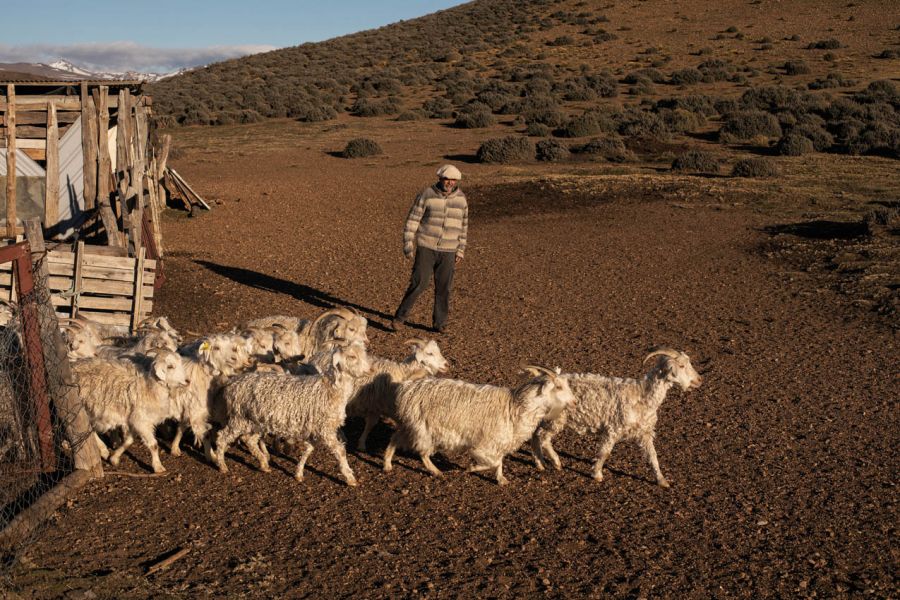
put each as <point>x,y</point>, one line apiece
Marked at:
<point>416,342</point>
<point>279,326</point>
<point>74,323</point>
<point>536,370</point>
<point>661,352</point>
<point>339,312</point>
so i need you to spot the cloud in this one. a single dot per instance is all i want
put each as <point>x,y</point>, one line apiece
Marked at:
<point>126,56</point>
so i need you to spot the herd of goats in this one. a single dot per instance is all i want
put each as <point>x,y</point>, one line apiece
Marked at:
<point>296,381</point>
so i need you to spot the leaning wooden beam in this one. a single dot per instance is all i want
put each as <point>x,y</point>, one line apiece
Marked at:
<point>11,161</point>
<point>89,147</point>
<point>51,195</point>
<point>68,405</point>
<point>29,519</point>
<point>196,195</point>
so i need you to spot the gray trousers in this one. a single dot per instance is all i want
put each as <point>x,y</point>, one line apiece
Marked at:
<point>430,262</point>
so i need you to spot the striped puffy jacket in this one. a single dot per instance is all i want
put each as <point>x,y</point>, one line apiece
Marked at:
<point>437,222</point>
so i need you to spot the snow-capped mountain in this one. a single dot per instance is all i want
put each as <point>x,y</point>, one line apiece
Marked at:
<point>65,70</point>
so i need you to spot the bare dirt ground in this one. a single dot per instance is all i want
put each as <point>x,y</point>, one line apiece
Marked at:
<point>783,464</point>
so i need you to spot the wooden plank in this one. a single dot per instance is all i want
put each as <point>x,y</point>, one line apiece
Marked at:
<point>51,187</point>
<point>99,260</point>
<point>104,169</point>
<point>89,286</point>
<point>35,154</point>
<point>123,157</point>
<point>78,269</point>
<point>115,303</point>
<point>137,310</point>
<point>39,117</point>
<point>137,178</point>
<point>36,102</point>
<point>68,270</point>
<point>122,319</point>
<point>33,144</point>
<point>28,131</point>
<point>163,157</point>
<point>89,147</point>
<point>11,161</point>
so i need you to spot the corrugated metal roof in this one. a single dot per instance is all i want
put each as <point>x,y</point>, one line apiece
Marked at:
<point>75,82</point>
<point>25,165</point>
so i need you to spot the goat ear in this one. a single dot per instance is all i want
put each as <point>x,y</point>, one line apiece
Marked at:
<point>159,369</point>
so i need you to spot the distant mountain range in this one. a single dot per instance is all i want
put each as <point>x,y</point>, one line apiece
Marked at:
<point>64,70</point>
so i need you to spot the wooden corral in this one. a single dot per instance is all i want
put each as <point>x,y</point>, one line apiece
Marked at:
<point>86,157</point>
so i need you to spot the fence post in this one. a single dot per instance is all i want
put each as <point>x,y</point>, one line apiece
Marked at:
<point>78,428</point>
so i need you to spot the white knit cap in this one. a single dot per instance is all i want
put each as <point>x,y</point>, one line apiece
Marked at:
<point>449,172</point>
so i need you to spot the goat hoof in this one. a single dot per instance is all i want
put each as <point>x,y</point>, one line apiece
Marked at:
<point>159,469</point>
<point>540,467</point>
<point>387,468</point>
<point>663,483</point>
<point>175,452</point>
<point>598,476</point>
<point>352,482</point>
<point>502,481</point>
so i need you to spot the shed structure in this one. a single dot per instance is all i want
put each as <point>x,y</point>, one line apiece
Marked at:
<point>78,155</point>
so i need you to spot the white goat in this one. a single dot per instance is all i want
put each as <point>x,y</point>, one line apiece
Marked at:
<point>294,338</point>
<point>617,409</point>
<point>125,393</point>
<point>486,421</point>
<point>374,394</point>
<point>307,409</point>
<point>217,357</point>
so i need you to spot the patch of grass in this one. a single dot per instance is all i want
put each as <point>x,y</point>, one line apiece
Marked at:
<point>744,126</point>
<point>794,144</point>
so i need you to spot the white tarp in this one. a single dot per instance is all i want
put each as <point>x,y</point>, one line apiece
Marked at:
<point>25,166</point>
<point>71,178</point>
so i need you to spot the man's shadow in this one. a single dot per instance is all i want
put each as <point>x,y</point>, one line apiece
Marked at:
<point>301,292</point>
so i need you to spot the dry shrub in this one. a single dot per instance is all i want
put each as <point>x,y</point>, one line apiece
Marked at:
<point>794,144</point>
<point>755,167</point>
<point>746,125</point>
<point>551,151</point>
<point>535,129</point>
<point>879,220</point>
<point>829,44</point>
<point>696,161</point>
<point>474,116</point>
<point>796,67</point>
<point>610,147</point>
<point>438,108</point>
<point>314,113</point>
<point>361,148</point>
<point>687,76</point>
<point>506,150</point>
<point>581,126</point>
<point>366,107</point>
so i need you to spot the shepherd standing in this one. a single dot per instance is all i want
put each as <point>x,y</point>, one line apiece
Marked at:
<point>436,229</point>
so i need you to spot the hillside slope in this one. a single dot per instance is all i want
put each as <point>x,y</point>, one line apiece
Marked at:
<point>575,51</point>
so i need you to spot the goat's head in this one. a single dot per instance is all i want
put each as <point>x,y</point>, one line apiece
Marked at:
<point>168,368</point>
<point>554,392</point>
<point>82,341</point>
<point>225,353</point>
<point>351,359</point>
<point>286,343</point>
<point>675,367</point>
<point>428,354</point>
<point>343,324</point>
<point>260,340</point>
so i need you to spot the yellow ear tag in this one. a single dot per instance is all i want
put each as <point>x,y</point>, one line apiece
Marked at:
<point>204,346</point>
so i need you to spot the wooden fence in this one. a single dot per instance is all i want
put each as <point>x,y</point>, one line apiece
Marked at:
<point>114,290</point>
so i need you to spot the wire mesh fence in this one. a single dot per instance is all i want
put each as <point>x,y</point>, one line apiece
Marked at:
<point>37,440</point>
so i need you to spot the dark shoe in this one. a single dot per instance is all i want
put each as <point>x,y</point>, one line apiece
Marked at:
<point>396,325</point>
<point>439,329</point>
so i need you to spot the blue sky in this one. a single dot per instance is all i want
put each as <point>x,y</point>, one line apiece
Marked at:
<point>168,34</point>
